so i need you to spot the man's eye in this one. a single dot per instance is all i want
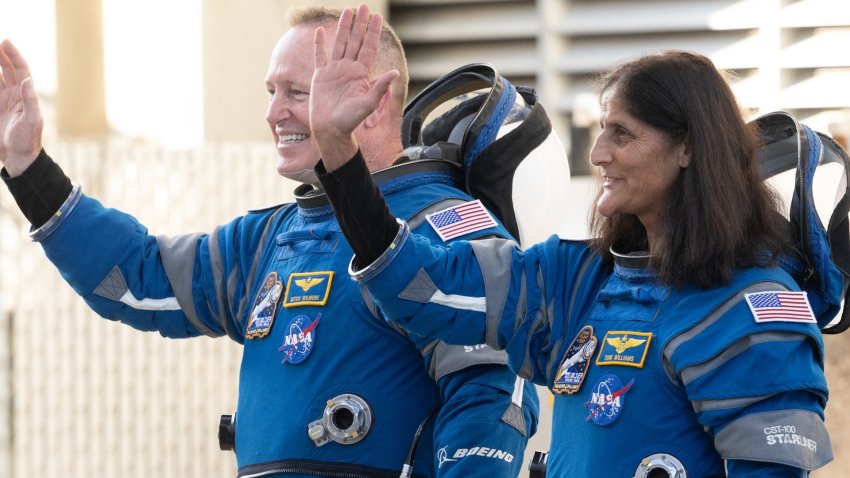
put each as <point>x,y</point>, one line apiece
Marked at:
<point>300,95</point>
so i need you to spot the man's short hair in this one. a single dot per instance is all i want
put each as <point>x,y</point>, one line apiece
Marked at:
<point>391,54</point>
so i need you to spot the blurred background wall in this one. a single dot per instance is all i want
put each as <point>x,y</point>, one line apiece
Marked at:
<point>158,108</point>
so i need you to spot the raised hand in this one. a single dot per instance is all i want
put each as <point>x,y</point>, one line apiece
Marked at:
<point>342,93</point>
<point>21,122</point>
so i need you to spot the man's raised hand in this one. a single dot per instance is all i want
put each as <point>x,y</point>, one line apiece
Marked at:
<point>21,122</point>
<point>342,93</point>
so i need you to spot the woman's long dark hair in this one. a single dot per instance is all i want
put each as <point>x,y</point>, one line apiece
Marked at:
<point>720,215</point>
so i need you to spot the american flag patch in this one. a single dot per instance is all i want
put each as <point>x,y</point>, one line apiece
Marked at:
<point>783,306</point>
<point>461,219</point>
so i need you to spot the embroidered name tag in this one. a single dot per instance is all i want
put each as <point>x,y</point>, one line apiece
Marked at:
<point>308,288</point>
<point>622,347</point>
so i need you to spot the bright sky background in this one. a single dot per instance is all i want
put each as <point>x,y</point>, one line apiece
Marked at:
<point>153,68</point>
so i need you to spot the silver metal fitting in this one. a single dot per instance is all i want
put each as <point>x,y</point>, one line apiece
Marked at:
<point>660,465</point>
<point>346,420</point>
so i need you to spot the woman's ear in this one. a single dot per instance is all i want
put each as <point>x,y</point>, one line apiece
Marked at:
<point>683,150</point>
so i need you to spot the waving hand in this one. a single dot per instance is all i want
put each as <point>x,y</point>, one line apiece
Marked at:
<point>342,93</point>
<point>21,122</point>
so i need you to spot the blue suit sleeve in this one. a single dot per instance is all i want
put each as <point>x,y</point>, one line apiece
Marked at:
<point>758,392</point>
<point>477,432</point>
<point>151,283</point>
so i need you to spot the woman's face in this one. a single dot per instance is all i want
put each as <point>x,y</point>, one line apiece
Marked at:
<point>638,164</point>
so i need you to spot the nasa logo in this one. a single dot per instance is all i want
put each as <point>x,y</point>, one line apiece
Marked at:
<point>299,339</point>
<point>607,400</point>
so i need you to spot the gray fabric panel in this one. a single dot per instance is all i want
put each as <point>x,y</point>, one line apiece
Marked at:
<point>522,302</point>
<point>113,286</point>
<point>541,321</point>
<point>494,257</point>
<point>714,316</point>
<point>795,438</point>
<point>451,358</point>
<point>707,405</point>
<point>693,372</point>
<point>427,349</point>
<point>420,289</point>
<point>178,259</point>
<point>222,316</point>
<point>419,217</point>
<point>514,417</point>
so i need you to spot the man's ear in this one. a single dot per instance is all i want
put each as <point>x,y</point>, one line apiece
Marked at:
<point>375,117</point>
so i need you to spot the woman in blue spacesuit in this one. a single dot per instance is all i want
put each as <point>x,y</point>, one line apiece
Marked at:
<point>674,344</point>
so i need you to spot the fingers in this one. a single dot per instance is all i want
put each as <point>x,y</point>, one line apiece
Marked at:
<point>358,37</point>
<point>7,74</point>
<point>15,68</point>
<point>358,31</point>
<point>320,51</point>
<point>369,50</point>
<point>342,30</point>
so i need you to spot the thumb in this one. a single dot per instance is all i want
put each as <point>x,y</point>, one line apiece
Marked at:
<point>382,84</point>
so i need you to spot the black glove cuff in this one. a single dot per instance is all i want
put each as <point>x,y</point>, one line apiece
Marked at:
<point>40,191</point>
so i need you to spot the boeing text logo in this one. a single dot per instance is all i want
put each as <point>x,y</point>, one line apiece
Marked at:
<point>482,451</point>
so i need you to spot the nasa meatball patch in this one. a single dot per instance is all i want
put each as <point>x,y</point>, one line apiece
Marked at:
<point>299,339</point>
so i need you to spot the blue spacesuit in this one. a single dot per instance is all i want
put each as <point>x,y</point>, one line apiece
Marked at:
<point>644,375</point>
<point>326,385</point>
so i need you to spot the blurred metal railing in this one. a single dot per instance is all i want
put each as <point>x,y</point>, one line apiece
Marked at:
<point>87,397</point>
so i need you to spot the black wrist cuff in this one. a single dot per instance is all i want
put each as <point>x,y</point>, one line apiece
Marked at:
<point>359,207</point>
<point>40,191</point>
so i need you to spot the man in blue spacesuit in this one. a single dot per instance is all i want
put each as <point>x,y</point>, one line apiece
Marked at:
<point>326,386</point>
<point>675,349</point>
